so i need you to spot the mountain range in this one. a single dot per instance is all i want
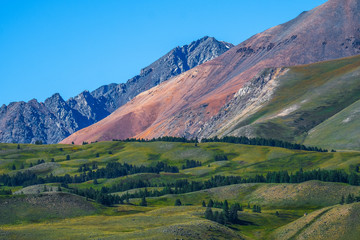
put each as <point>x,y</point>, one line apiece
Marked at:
<point>54,119</point>
<point>254,89</point>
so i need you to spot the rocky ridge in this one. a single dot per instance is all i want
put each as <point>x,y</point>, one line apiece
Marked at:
<point>55,119</point>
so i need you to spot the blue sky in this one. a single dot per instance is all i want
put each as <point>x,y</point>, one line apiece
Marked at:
<point>67,46</point>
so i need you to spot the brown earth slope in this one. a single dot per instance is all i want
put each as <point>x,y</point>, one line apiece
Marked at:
<point>183,105</point>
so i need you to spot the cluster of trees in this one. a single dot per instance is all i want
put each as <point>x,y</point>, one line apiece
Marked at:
<point>99,196</point>
<point>184,186</point>
<point>38,142</point>
<point>22,166</point>
<point>228,215</point>
<point>350,198</point>
<point>263,142</point>
<point>112,170</point>
<point>191,164</point>
<point>86,167</point>
<point>5,192</point>
<point>256,209</point>
<point>321,175</point>
<point>220,204</point>
<point>221,157</point>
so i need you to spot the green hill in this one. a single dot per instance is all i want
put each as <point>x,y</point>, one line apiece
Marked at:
<point>34,214</point>
<point>338,222</point>
<point>317,103</point>
<point>41,207</point>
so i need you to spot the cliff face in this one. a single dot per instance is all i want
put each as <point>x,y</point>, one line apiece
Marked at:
<point>55,119</point>
<point>184,105</point>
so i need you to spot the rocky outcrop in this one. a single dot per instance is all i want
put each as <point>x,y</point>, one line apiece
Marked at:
<point>55,119</point>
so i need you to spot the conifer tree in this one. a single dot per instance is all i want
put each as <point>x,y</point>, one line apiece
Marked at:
<point>342,201</point>
<point>209,214</point>
<point>211,203</point>
<point>143,202</point>
<point>178,202</point>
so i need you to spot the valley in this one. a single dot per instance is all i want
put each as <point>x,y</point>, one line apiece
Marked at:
<point>54,210</point>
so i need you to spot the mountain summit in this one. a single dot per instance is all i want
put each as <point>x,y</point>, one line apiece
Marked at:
<point>56,119</point>
<point>184,105</point>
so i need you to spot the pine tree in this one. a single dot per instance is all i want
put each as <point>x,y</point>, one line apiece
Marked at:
<point>216,216</point>
<point>211,203</point>
<point>143,202</point>
<point>221,218</point>
<point>18,146</point>
<point>258,209</point>
<point>178,202</point>
<point>67,157</point>
<point>342,201</point>
<point>13,167</point>
<point>225,208</point>
<point>254,208</point>
<point>203,204</point>
<point>127,198</point>
<point>233,216</point>
<point>350,199</point>
<point>209,214</point>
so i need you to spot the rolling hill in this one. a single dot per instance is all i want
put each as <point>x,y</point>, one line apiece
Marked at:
<point>40,211</point>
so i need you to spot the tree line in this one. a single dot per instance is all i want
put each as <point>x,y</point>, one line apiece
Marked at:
<point>264,142</point>
<point>231,139</point>
<point>112,170</point>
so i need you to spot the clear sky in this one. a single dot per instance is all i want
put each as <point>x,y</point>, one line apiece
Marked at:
<point>67,46</point>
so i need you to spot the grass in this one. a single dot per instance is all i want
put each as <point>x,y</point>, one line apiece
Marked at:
<point>19,209</point>
<point>155,224</point>
<point>66,216</point>
<point>316,92</point>
<point>336,222</point>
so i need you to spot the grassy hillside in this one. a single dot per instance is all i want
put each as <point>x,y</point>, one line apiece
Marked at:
<point>242,160</point>
<point>341,131</point>
<point>306,97</point>
<point>337,222</point>
<point>38,208</point>
<point>307,195</point>
<point>32,213</point>
<point>164,223</point>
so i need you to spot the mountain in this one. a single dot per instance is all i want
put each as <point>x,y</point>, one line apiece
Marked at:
<point>314,104</point>
<point>189,104</point>
<point>55,119</point>
<point>175,62</point>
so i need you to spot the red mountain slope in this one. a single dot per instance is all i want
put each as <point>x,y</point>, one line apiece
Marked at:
<point>183,105</point>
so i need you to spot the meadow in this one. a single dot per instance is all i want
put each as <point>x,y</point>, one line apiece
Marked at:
<point>41,211</point>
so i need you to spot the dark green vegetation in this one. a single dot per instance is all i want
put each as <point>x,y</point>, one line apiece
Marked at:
<point>159,189</point>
